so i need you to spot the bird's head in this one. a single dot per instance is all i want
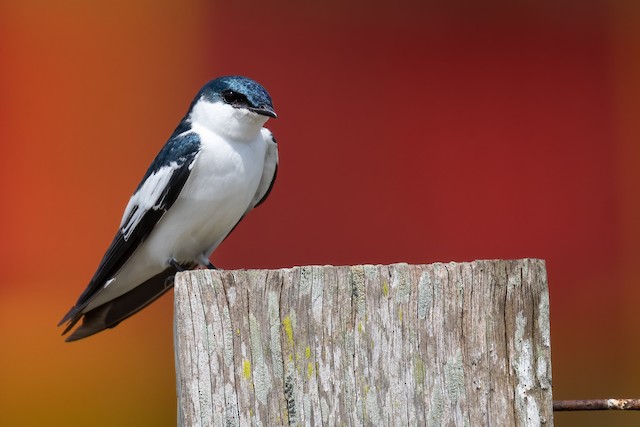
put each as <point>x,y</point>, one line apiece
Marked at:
<point>233,106</point>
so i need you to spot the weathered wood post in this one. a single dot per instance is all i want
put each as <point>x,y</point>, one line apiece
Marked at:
<point>464,344</point>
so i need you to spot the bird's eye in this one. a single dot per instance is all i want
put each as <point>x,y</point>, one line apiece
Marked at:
<point>231,97</point>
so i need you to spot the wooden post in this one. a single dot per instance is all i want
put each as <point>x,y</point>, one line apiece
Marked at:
<point>464,344</point>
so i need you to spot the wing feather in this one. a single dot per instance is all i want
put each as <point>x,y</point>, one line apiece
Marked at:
<point>269,172</point>
<point>115,311</point>
<point>157,192</point>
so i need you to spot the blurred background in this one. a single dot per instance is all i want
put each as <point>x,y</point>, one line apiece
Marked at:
<point>408,131</point>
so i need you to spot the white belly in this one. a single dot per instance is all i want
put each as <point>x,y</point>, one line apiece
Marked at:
<point>222,184</point>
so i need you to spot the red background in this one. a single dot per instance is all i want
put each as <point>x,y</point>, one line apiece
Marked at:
<point>408,131</point>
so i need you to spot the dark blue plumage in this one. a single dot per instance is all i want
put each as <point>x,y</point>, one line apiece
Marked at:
<point>253,91</point>
<point>180,148</point>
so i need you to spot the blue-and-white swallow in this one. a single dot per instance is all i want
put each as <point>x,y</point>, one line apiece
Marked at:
<point>218,165</point>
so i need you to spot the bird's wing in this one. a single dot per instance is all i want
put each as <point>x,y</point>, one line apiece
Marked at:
<point>156,193</point>
<point>269,172</point>
<point>109,314</point>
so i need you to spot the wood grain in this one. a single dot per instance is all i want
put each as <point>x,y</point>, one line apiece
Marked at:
<point>460,344</point>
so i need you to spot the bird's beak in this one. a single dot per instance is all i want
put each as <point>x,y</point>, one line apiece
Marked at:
<point>265,110</point>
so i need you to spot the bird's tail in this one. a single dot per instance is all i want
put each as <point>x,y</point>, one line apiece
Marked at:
<point>115,311</point>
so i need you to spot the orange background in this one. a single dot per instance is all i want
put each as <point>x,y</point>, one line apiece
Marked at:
<point>408,131</point>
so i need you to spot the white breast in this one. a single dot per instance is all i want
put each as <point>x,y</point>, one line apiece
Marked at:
<point>222,183</point>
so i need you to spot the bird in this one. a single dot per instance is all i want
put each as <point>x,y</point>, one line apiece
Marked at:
<point>219,164</point>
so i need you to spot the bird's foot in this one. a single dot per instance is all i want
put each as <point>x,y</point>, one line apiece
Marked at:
<point>173,263</point>
<point>205,262</point>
